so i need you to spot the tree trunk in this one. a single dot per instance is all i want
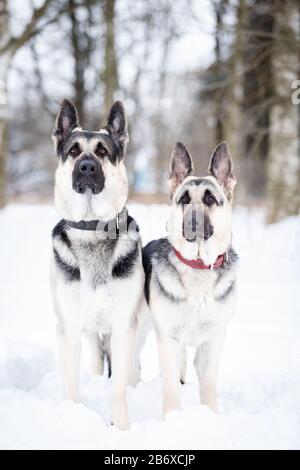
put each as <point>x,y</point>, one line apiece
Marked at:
<point>9,45</point>
<point>298,37</point>
<point>80,57</point>
<point>4,66</point>
<point>219,8</point>
<point>3,152</point>
<point>283,182</point>
<point>110,73</point>
<point>258,94</point>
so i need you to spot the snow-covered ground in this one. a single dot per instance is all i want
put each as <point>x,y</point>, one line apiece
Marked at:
<point>259,383</point>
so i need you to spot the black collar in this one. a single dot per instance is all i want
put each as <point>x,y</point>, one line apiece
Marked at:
<point>119,223</point>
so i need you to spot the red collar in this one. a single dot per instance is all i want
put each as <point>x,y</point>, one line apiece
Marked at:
<point>198,263</point>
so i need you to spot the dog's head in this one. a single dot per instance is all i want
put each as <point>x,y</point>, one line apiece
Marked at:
<point>200,223</point>
<point>90,181</point>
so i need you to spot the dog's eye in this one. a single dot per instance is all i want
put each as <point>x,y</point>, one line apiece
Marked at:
<point>185,199</point>
<point>100,151</point>
<point>209,199</point>
<point>74,151</point>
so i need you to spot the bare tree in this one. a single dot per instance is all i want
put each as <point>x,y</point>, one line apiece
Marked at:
<point>219,9</point>
<point>82,48</point>
<point>258,93</point>
<point>298,73</point>
<point>4,63</point>
<point>9,45</point>
<point>109,77</point>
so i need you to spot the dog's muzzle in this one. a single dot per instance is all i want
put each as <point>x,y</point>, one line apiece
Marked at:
<point>88,174</point>
<point>196,225</point>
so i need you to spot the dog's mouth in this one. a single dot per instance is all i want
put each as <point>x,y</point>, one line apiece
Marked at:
<point>89,187</point>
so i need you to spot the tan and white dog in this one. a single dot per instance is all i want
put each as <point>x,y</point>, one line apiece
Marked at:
<point>97,274</point>
<point>191,275</point>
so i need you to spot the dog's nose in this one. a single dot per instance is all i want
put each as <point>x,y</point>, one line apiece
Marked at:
<point>87,167</point>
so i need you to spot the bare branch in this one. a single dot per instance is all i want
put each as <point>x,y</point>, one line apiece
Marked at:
<point>14,43</point>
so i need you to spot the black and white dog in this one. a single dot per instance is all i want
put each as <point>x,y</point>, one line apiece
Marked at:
<point>190,276</point>
<point>97,274</point>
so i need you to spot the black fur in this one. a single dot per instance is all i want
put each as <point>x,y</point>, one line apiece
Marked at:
<point>167,294</point>
<point>147,253</point>
<point>66,121</point>
<point>161,250</point>
<point>114,142</point>
<point>124,266</point>
<point>197,181</point>
<point>117,127</point>
<point>71,273</point>
<point>211,187</point>
<point>83,178</point>
<point>232,259</point>
<point>184,199</point>
<point>209,199</point>
<point>107,141</point>
<point>60,232</point>
<point>224,295</point>
<point>95,257</point>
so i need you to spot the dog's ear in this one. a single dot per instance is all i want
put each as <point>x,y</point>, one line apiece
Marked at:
<point>117,126</point>
<point>181,166</point>
<point>221,167</point>
<point>66,121</point>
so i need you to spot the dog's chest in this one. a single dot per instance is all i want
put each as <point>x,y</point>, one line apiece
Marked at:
<point>96,307</point>
<point>95,258</point>
<point>200,314</point>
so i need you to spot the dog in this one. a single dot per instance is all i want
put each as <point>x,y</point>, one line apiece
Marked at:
<point>97,274</point>
<point>190,276</point>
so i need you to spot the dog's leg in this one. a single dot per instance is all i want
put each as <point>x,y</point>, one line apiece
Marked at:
<point>143,327</point>
<point>135,367</point>
<point>62,355</point>
<point>122,342</point>
<point>183,366</point>
<point>206,362</point>
<point>69,350</point>
<point>97,352</point>
<point>106,347</point>
<point>169,357</point>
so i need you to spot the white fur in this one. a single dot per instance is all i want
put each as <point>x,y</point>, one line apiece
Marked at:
<point>220,216</point>
<point>103,131</point>
<point>198,319</point>
<point>105,205</point>
<point>111,307</point>
<point>107,309</point>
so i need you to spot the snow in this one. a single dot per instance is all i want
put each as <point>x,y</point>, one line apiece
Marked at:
<point>259,383</point>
